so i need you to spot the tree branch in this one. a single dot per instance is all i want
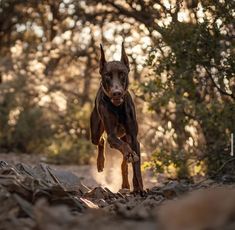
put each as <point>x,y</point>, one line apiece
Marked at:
<point>217,87</point>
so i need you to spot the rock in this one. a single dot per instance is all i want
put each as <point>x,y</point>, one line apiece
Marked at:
<point>102,203</point>
<point>88,203</point>
<point>152,201</point>
<point>33,183</point>
<point>3,164</point>
<point>53,218</point>
<point>173,189</point>
<point>124,191</point>
<point>228,178</point>
<point>204,183</point>
<point>100,193</point>
<point>204,209</point>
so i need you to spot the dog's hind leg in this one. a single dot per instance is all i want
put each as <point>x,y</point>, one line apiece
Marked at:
<point>100,158</point>
<point>125,182</point>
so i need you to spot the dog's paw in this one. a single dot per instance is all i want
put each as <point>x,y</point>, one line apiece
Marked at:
<point>129,154</point>
<point>132,157</point>
<point>135,157</point>
<point>100,169</point>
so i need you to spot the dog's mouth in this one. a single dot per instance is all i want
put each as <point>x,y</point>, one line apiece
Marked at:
<point>117,101</point>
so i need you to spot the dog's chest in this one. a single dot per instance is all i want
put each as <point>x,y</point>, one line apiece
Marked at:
<point>120,130</point>
<point>120,117</point>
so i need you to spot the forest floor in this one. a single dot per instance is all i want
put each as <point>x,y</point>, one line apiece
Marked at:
<point>40,196</point>
<point>110,177</point>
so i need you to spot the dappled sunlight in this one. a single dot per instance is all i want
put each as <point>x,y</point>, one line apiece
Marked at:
<point>181,80</point>
<point>197,168</point>
<point>14,115</point>
<point>182,89</point>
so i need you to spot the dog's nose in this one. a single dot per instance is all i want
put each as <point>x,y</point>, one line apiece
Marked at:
<point>117,93</point>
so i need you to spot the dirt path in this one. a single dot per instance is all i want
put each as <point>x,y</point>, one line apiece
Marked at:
<point>51,197</point>
<point>110,177</point>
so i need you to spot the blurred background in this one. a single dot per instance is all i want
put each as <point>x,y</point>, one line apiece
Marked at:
<point>182,79</point>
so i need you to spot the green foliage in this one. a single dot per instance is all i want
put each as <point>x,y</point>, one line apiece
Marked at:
<point>193,85</point>
<point>49,75</point>
<point>67,150</point>
<point>44,89</point>
<point>173,163</point>
<point>24,126</point>
<point>71,144</point>
<point>30,128</point>
<point>32,131</point>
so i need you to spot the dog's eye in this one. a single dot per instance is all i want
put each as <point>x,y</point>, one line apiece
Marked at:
<point>122,78</point>
<point>108,79</point>
<point>108,76</point>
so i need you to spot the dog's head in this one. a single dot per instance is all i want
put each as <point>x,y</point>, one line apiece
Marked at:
<point>114,76</point>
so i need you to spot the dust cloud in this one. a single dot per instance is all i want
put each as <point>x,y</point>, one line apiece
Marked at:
<point>111,177</point>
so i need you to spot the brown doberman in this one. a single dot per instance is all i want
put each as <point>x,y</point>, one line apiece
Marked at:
<point>114,113</point>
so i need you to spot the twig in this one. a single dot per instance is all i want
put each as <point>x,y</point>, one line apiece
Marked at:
<point>217,87</point>
<point>216,173</point>
<point>223,165</point>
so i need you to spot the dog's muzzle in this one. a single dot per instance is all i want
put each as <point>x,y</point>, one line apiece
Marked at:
<point>117,101</point>
<point>116,97</point>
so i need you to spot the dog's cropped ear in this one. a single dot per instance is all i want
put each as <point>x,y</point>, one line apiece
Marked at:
<point>124,58</point>
<point>102,59</point>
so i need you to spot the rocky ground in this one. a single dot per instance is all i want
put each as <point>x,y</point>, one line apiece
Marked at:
<point>111,177</point>
<point>41,197</point>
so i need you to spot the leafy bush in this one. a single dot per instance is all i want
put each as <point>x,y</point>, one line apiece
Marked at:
<point>192,88</point>
<point>69,151</point>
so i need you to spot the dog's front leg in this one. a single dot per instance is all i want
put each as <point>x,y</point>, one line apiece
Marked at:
<point>110,122</point>
<point>122,146</point>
